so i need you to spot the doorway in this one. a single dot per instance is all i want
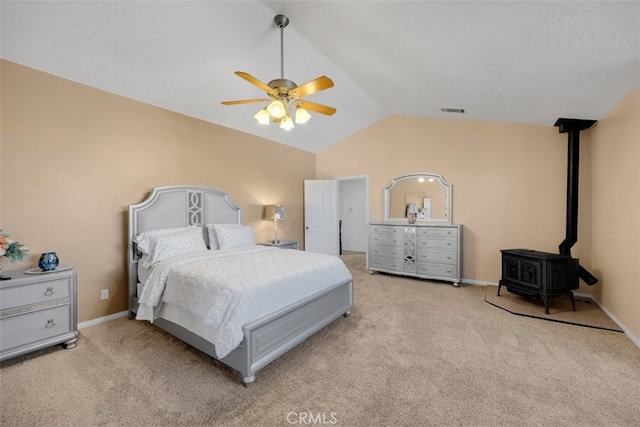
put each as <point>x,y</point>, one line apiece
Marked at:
<point>353,212</point>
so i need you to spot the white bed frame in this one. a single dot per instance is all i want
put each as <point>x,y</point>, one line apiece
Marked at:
<point>265,339</point>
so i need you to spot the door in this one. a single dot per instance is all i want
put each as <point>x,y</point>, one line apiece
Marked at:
<point>321,231</point>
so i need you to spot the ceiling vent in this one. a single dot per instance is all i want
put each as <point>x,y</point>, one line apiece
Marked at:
<point>453,110</point>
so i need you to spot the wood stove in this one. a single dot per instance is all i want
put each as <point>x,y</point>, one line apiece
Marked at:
<point>545,275</point>
<point>534,274</point>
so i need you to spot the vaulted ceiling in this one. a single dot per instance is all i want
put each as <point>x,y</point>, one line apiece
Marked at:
<point>508,61</point>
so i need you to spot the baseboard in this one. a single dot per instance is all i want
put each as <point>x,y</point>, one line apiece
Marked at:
<point>634,339</point>
<point>99,320</point>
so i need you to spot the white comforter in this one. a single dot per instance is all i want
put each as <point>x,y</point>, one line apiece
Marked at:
<point>230,288</point>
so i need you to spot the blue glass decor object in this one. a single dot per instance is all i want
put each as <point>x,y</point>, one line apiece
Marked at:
<point>48,261</point>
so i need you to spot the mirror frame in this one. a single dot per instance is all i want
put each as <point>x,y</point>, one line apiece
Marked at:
<point>439,179</point>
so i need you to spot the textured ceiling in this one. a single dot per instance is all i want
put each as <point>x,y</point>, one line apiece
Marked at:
<point>509,61</point>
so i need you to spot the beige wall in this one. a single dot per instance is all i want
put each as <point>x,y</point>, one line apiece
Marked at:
<point>615,244</point>
<point>73,158</point>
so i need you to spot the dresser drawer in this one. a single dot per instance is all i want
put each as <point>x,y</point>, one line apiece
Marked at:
<point>35,293</point>
<point>386,240</point>
<point>437,232</point>
<point>33,327</point>
<point>386,263</point>
<point>437,270</point>
<point>393,252</point>
<point>437,243</point>
<point>382,229</point>
<point>437,256</point>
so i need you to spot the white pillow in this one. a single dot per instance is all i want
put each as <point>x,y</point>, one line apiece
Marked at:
<point>167,243</point>
<point>147,240</point>
<point>231,236</point>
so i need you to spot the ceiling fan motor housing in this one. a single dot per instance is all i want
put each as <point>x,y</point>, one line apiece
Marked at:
<point>283,86</point>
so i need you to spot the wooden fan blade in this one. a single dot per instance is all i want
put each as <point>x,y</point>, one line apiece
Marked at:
<point>318,108</point>
<point>244,101</point>
<point>248,77</point>
<point>316,85</point>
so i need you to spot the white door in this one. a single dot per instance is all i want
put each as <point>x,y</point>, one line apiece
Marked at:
<point>321,231</point>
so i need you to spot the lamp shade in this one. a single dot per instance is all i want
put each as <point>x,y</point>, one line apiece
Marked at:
<point>275,212</point>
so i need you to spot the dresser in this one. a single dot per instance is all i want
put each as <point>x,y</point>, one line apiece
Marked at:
<point>37,311</point>
<point>428,251</point>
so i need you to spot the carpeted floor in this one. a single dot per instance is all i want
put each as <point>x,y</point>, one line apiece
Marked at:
<point>587,313</point>
<point>413,353</point>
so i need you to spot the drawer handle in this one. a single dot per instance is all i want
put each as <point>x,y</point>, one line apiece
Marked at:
<point>448,271</point>
<point>448,232</point>
<point>449,244</point>
<point>48,292</point>
<point>395,252</point>
<point>448,257</point>
<point>50,324</point>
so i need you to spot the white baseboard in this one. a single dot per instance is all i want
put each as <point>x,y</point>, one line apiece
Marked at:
<point>99,320</point>
<point>634,339</point>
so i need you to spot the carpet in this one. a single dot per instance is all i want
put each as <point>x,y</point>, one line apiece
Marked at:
<point>587,312</point>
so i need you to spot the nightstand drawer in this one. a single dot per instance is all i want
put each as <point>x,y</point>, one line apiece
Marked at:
<point>34,327</point>
<point>35,293</point>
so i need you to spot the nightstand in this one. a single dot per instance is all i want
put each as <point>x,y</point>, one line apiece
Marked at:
<point>282,244</point>
<point>37,311</point>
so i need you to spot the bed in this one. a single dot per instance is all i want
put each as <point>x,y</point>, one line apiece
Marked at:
<point>312,299</point>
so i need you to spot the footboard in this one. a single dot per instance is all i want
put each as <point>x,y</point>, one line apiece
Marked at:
<point>270,337</point>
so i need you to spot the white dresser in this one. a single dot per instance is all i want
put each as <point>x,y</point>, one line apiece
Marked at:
<point>427,251</point>
<point>37,311</point>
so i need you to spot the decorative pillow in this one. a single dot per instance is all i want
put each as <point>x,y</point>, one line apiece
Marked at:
<point>231,236</point>
<point>162,244</point>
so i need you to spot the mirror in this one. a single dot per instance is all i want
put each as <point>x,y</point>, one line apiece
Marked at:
<point>428,191</point>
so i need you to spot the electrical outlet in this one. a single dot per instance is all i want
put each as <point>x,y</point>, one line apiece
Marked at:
<point>104,294</point>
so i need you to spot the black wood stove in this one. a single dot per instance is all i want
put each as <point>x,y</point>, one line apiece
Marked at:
<point>545,275</point>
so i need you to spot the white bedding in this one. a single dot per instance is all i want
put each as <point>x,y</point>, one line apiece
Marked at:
<point>229,288</point>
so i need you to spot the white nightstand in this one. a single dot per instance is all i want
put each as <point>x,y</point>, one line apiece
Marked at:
<point>282,244</point>
<point>37,311</point>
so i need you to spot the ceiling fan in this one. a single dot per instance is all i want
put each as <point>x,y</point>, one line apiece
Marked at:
<point>284,95</point>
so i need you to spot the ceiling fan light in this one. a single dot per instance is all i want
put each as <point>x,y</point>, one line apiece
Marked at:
<point>302,116</point>
<point>276,109</point>
<point>287,123</point>
<point>262,117</point>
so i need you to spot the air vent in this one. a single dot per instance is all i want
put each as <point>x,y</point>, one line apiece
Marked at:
<point>453,110</point>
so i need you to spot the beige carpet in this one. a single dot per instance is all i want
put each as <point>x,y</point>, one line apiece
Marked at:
<point>587,313</point>
<point>413,353</point>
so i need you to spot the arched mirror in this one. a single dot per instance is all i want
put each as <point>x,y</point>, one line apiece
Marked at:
<point>428,191</point>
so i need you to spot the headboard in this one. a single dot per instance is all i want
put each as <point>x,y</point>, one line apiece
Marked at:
<point>176,206</point>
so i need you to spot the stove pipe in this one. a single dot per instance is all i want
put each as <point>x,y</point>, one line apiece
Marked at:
<point>573,128</point>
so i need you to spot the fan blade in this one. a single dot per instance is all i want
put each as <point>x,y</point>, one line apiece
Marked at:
<point>248,77</point>
<point>244,101</point>
<point>316,85</point>
<point>318,108</point>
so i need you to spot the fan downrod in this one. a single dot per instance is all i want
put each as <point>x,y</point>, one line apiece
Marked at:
<point>281,21</point>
